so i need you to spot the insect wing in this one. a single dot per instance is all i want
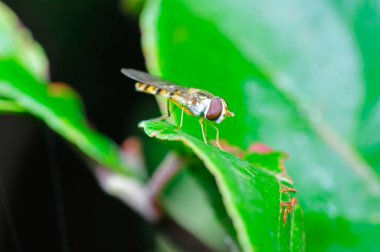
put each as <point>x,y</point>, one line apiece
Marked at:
<point>146,78</point>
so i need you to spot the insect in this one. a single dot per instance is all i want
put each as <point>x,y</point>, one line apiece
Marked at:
<point>194,102</point>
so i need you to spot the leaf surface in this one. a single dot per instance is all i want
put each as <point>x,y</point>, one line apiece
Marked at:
<point>292,73</point>
<point>251,195</point>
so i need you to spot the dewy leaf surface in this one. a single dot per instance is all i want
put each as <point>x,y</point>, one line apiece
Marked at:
<point>291,72</point>
<point>251,195</point>
<point>23,88</point>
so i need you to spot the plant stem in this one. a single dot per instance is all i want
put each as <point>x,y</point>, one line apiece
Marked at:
<point>144,199</point>
<point>180,237</point>
<point>163,175</point>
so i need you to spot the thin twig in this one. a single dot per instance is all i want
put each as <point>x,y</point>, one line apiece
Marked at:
<point>144,199</point>
<point>130,191</point>
<point>161,178</point>
<point>180,237</point>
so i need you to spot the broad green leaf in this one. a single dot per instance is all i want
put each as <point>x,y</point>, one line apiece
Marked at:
<point>291,72</point>
<point>251,195</point>
<point>23,88</point>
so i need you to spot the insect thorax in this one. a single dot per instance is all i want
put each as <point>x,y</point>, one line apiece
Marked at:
<point>198,108</point>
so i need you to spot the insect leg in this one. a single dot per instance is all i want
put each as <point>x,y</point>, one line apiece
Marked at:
<point>180,124</point>
<point>203,129</point>
<point>163,117</point>
<point>168,107</point>
<point>217,135</point>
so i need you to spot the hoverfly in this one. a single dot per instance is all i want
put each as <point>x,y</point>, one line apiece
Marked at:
<point>194,102</point>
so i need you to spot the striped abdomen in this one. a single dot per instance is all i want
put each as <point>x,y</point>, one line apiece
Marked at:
<point>151,89</point>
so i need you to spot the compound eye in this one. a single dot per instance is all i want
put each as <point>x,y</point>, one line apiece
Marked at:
<point>215,109</point>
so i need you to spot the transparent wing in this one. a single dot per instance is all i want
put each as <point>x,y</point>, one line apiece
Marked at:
<point>152,80</point>
<point>193,95</point>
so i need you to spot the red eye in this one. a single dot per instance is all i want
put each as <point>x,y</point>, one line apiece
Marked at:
<point>215,109</point>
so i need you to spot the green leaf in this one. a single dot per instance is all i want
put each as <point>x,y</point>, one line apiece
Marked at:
<point>251,195</point>
<point>59,107</point>
<point>185,195</point>
<point>23,88</point>
<point>17,43</point>
<point>291,72</point>
<point>273,160</point>
<point>7,106</point>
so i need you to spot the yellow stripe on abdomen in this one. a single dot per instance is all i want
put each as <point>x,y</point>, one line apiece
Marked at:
<point>165,93</point>
<point>150,89</point>
<point>140,86</point>
<point>146,88</point>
